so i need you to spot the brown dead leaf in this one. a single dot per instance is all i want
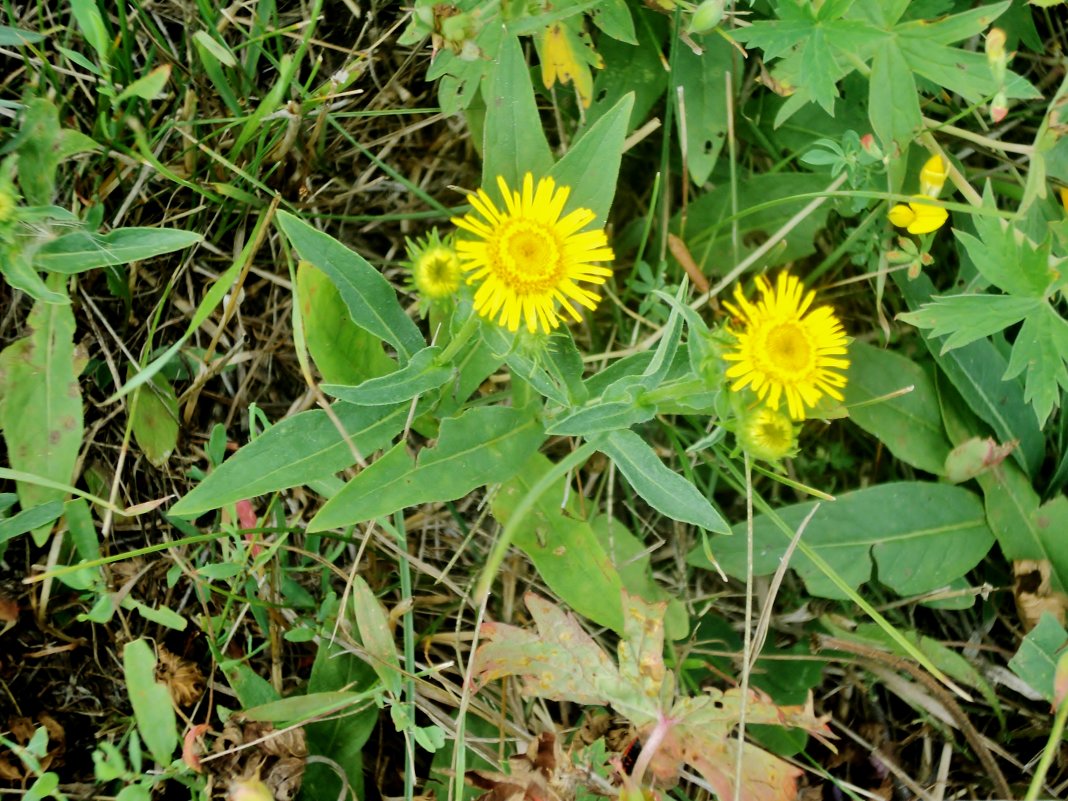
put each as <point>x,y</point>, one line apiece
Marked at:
<point>277,759</point>
<point>183,678</point>
<point>1034,593</point>
<point>543,773</point>
<point>562,662</point>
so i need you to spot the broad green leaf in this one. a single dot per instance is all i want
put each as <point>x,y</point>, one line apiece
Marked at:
<point>920,535</point>
<point>591,166</point>
<point>343,352</point>
<point>372,302</point>
<point>376,634</point>
<point>963,319</point>
<point>702,79</point>
<point>484,445</point>
<point>340,738</point>
<point>150,700</point>
<point>1040,352</point>
<point>1011,503</point>
<point>17,37</point>
<point>251,689</point>
<point>976,371</point>
<point>628,69</point>
<point>41,405</point>
<point>893,102</point>
<point>298,450</point>
<point>155,419</point>
<point>909,425</point>
<point>148,87</point>
<point>421,374</point>
<point>514,142</point>
<point>82,250</point>
<point>663,489</point>
<point>1036,660</point>
<point>613,17</point>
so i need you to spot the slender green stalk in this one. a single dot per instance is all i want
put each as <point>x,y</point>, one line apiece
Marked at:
<point>1049,752</point>
<point>408,624</point>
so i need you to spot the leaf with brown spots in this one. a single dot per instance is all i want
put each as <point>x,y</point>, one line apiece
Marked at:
<point>41,403</point>
<point>562,662</point>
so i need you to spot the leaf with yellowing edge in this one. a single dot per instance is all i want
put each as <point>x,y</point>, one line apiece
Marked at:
<point>562,662</point>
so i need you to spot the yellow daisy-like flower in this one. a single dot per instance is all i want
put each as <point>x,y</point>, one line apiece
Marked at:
<point>768,434</point>
<point>786,347</point>
<point>918,217</point>
<point>528,259</point>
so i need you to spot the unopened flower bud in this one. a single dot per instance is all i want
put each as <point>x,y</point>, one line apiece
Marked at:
<point>870,146</point>
<point>999,107</point>
<point>707,16</point>
<point>995,45</point>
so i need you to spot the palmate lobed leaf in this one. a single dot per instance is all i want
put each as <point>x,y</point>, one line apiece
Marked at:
<point>562,662</point>
<point>963,319</point>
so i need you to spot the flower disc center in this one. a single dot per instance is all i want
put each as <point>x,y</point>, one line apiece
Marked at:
<point>789,350</point>
<point>528,257</point>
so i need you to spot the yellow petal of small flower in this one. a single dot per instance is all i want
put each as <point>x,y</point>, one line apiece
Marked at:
<point>928,217</point>
<point>933,176</point>
<point>918,217</point>
<point>786,348</point>
<point>529,263</point>
<point>901,215</point>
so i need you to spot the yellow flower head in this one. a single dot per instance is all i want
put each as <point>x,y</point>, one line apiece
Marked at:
<point>527,259</point>
<point>786,348</point>
<point>435,267</point>
<point>918,217</point>
<point>768,434</point>
<point>933,176</point>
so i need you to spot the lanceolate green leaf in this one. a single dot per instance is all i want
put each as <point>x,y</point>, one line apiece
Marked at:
<point>663,489</point>
<point>41,404</point>
<point>343,352</point>
<point>591,166</point>
<point>151,701</point>
<point>421,374</point>
<point>82,250</point>
<point>298,450</point>
<point>514,141</point>
<point>921,535</point>
<point>372,302</point>
<point>482,446</point>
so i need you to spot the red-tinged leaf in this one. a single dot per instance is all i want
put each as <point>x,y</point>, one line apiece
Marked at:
<point>190,748</point>
<point>560,662</point>
<point>641,654</point>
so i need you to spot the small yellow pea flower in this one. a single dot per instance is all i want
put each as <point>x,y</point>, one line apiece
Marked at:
<point>933,176</point>
<point>918,217</point>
